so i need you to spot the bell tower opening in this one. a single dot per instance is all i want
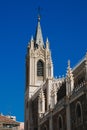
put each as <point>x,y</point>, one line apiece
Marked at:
<point>40,68</point>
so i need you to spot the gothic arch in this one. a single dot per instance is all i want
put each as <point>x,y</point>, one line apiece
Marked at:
<point>60,122</point>
<point>78,111</point>
<point>40,68</point>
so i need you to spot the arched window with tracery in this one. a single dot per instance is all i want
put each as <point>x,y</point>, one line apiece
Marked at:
<point>40,68</point>
<point>78,113</point>
<point>60,122</point>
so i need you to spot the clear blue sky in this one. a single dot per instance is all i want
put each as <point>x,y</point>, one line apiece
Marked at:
<point>64,22</point>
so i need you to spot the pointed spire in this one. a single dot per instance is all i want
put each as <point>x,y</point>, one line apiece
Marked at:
<point>32,38</point>
<point>69,80</point>
<point>38,35</point>
<point>68,63</point>
<point>47,43</point>
<point>47,40</point>
<point>32,42</point>
<point>69,71</point>
<point>86,67</point>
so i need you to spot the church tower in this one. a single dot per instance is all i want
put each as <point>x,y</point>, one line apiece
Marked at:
<point>39,67</point>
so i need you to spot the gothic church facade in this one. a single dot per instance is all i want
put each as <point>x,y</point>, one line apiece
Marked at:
<point>53,104</point>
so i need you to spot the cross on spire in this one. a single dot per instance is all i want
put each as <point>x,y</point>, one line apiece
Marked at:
<point>39,13</point>
<point>38,35</point>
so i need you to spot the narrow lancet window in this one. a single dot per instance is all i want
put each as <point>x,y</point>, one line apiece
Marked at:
<point>60,123</point>
<point>40,68</point>
<point>78,113</point>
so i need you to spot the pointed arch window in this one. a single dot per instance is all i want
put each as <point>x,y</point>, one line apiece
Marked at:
<point>40,68</point>
<point>45,127</point>
<point>60,122</point>
<point>78,113</point>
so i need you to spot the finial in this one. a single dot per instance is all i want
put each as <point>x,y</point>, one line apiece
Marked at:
<point>47,40</point>
<point>86,55</point>
<point>32,38</point>
<point>47,43</point>
<point>69,63</point>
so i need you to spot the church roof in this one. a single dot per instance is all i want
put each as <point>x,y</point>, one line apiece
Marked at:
<point>6,120</point>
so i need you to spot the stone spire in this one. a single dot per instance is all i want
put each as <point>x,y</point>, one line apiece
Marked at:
<point>86,66</point>
<point>69,71</point>
<point>69,80</point>
<point>38,35</point>
<point>47,44</point>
